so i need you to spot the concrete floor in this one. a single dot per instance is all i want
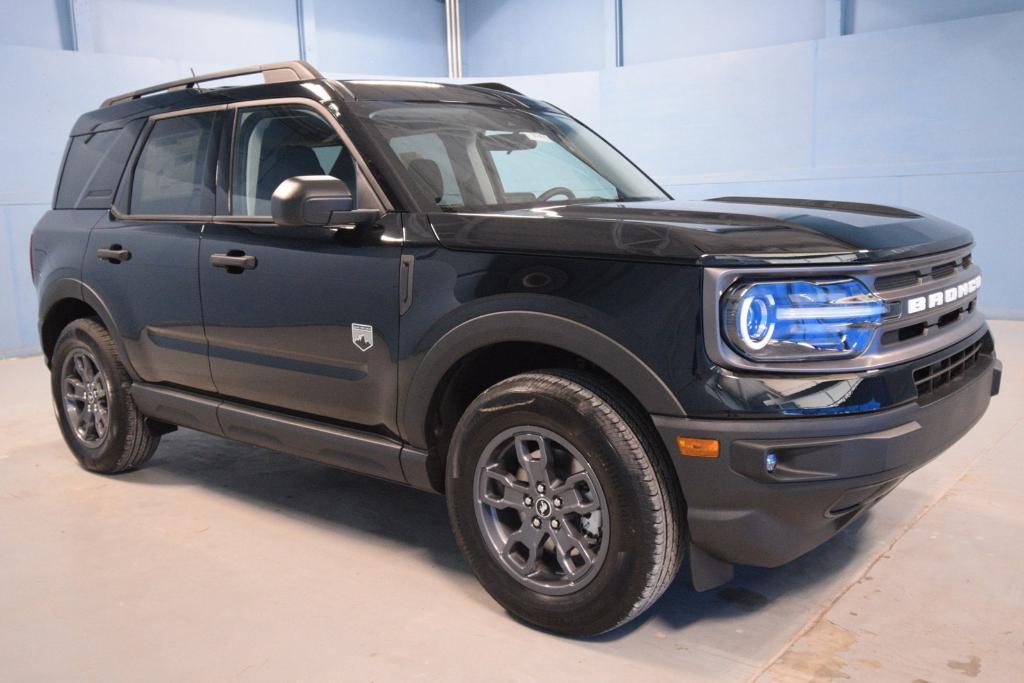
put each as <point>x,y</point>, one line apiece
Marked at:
<point>219,561</point>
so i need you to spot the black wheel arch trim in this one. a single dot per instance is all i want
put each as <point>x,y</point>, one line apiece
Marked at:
<point>531,327</point>
<point>74,289</point>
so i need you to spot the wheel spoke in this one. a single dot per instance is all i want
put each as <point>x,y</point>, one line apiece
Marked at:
<point>76,417</point>
<point>77,386</point>
<point>511,497</point>
<point>84,368</point>
<point>573,499</point>
<point>101,420</point>
<point>534,456</point>
<point>566,541</point>
<point>529,538</point>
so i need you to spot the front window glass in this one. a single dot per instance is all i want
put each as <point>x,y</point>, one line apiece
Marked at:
<point>466,157</point>
<point>278,142</point>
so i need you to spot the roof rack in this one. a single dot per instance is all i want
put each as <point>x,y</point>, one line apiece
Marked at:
<point>496,86</point>
<point>277,72</point>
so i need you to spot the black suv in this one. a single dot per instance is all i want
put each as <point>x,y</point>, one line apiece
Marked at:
<point>465,290</point>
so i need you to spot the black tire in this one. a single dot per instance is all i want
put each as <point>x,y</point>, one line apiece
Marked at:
<point>128,440</point>
<point>644,504</point>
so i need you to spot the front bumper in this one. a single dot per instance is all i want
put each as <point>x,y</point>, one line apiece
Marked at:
<point>829,469</point>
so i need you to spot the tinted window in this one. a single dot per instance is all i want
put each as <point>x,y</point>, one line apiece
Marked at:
<point>279,142</point>
<point>173,173</point>
<point>94,166</point>
<point>525,174</point>
<point>427,159</point>
<point>471,157</point>
<point>84,157</point>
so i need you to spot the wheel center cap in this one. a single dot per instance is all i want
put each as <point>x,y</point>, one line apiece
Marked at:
<point>543,507</point>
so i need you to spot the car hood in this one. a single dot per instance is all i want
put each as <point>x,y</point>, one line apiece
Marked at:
<point>725,231</point>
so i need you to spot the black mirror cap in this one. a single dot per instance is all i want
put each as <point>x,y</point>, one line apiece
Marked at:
<point>311,200</point>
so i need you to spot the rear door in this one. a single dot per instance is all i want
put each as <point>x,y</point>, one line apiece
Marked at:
<point>142,259</point>
<point>307,321</point>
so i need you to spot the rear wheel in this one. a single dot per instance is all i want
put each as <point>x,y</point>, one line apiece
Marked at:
<point>561,503</point>
<point>97,416</point>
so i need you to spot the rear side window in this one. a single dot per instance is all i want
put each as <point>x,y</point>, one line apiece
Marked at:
<point>174,171</point>
<point>93,167</point>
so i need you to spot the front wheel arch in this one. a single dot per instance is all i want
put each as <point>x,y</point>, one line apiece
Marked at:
<point>597,349</point>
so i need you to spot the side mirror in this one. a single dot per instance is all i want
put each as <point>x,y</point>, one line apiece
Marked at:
<point>316,200</point>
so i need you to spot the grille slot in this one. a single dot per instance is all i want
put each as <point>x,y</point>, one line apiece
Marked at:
<point>921,276</point>
<point>897,281</point>
<point>949,369</point>
<point>945,270</point>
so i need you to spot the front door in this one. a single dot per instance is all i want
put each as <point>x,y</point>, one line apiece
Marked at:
<point>304,320</point>
<point>142,260</point>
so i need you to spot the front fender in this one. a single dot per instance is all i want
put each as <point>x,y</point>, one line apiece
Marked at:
<point>537,327</point>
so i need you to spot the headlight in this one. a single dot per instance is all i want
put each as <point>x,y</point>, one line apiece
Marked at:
<point>800,319</point>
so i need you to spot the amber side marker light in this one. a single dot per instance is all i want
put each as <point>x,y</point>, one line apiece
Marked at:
<point>699,448</point>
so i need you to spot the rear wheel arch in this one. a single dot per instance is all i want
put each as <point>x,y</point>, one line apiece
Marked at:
<point>58,316</point>
<point>70,300</point>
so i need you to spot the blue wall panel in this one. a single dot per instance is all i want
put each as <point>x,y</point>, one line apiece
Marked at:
<point>17,295</point>
<point>380,38</point>
<point>932,94</point>
<point>881,15</point>
<point>654,30</point>
<point>747,111</point>
<point>501,37</point>
<point>229,31</point>
<point>34,23</point>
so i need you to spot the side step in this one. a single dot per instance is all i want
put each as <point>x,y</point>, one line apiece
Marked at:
<point>348,449</point>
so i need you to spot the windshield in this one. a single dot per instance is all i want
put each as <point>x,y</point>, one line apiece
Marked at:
<point>465,157</point>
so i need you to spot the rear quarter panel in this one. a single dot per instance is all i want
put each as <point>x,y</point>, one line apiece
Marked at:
<point>58,247</point>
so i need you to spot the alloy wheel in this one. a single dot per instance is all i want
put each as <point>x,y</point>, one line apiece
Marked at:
<point>86,394</point>
<point>542,510</point>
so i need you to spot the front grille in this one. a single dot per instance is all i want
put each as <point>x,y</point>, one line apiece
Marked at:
<point>949,369</point>
<point>922,275</point>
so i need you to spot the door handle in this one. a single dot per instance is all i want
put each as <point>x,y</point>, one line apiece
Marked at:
<point>115,254</point>
<point>233,261</point>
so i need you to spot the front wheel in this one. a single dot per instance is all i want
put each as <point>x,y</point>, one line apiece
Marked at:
<point>561,504</point>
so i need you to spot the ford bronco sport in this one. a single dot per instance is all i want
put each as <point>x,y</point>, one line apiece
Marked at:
<point>466,290</point>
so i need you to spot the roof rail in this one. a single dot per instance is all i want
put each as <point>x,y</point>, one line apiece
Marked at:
<point>495,86</point>
<point>277,72</point>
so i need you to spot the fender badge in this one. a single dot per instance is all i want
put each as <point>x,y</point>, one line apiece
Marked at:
<point>362,336</point>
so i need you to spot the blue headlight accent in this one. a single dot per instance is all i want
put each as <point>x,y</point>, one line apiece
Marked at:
<point>801,319</point>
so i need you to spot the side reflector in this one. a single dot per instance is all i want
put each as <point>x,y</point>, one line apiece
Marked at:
<point>699,448</point>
